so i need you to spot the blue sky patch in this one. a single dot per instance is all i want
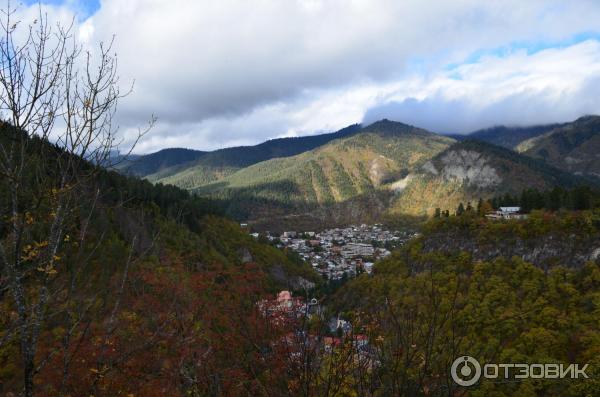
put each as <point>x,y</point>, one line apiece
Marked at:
<point>83,8</point>
<point>531,47</point>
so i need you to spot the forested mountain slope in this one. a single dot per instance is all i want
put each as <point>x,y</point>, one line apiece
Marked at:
<point>109,284</point>
<point>470,170</point>
<point>141,166</point>
<point>220,163</point>
<point>343,170</point>
<point>573,147</point>
<point>506,136</point>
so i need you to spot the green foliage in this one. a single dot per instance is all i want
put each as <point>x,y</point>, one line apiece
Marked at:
<point>141,166</point>
<point>345,170</point>
<point>571,147</point>
<point>510,137</point>
<point>213,166</point>
<point>423,308</point>
<point>579,198</point>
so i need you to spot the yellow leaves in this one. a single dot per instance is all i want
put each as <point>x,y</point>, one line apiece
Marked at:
<point>41,244</point>
<point>67,238</point>
<point>48,269</point>
<point>29,218</point>
<point>100,373</point>
<point>32,251</point>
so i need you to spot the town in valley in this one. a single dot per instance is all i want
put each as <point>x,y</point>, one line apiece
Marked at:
<point>341,253</point>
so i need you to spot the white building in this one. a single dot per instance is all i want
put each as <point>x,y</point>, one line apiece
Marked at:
<point>507,213</point>
<point>357,249</point>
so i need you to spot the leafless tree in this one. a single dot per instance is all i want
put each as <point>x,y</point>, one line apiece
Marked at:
<point>51,90</point>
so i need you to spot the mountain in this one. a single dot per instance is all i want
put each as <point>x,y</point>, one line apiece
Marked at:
<point>470,170</point>
<point>508,137</point>
<point>365,174</point>
<point>117,158</point>
<point>389,168</point>
<point>217,164</point>
<point>573,147</point>
<point>141,166</point>
<point>356,170</point>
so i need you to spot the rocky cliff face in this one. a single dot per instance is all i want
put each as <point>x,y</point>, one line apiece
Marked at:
<point>467,166</point>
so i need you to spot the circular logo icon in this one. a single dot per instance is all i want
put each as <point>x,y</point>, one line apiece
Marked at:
<point>465,371</point>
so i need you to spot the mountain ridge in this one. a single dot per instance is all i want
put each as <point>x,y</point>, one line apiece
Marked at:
<point>573,147</point>
<point>508,136</point>
<point>222,162</point>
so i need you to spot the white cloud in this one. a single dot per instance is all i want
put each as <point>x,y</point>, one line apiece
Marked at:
<point>223,72</point>
<point>518,89</point>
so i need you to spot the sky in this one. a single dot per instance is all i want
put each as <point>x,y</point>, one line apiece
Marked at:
<point>238,72</point>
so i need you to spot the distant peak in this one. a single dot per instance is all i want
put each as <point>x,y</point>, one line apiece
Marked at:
<point>588,117</point>
<point>386,123</point>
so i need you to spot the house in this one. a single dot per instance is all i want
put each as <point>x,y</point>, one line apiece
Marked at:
<point>284,305</point>
<point>507,213</point>
<point>357,249</point>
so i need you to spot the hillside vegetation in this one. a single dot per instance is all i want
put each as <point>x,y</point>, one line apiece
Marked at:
<point>457,291</point>
<point>388,169</point>
<point>470,170</point>
<point>215,165</point>
<point>141,166</point>
<point>573,147</point>
<point>508,137</point>
<point>385,170</point>
<point>369,164</point>
<point>105,280</point>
